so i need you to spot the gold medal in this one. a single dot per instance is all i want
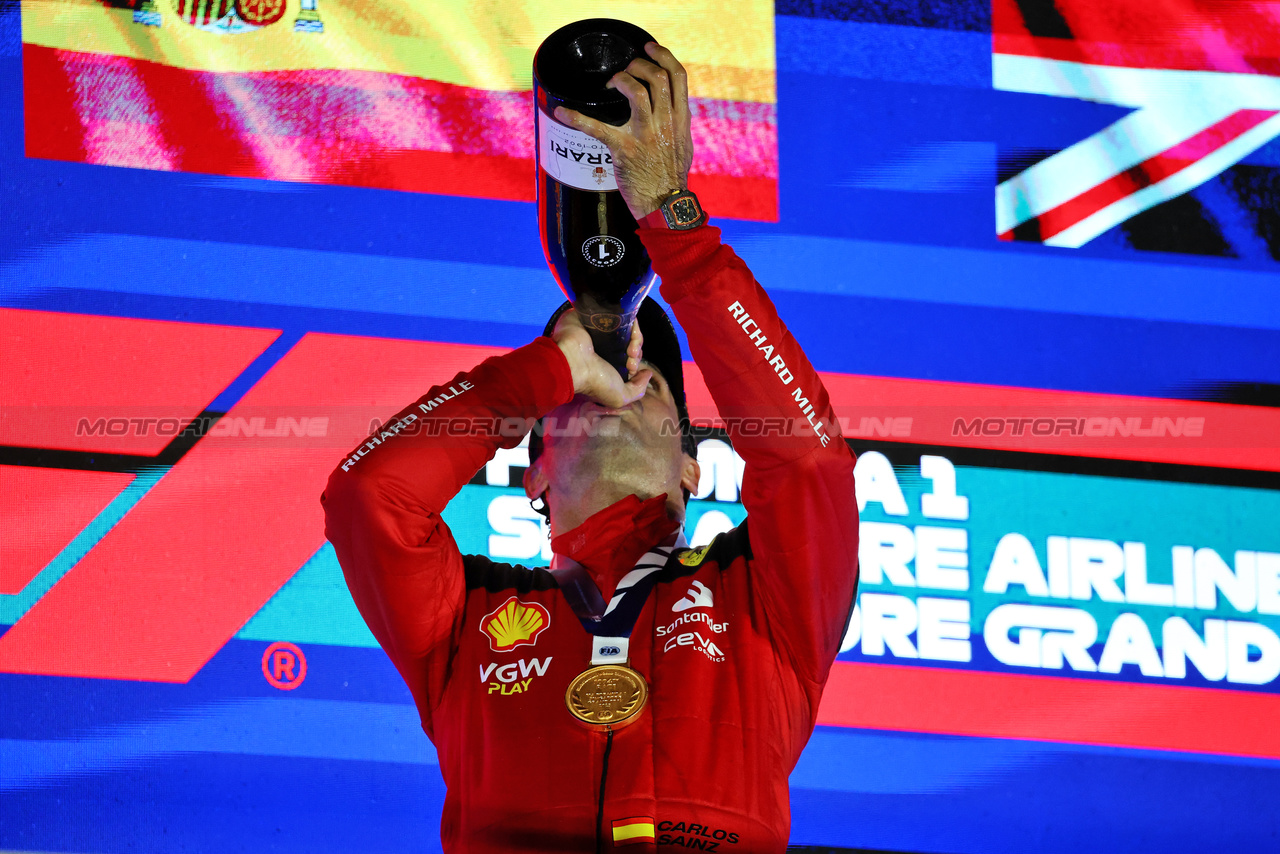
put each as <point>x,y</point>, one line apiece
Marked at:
<point>607,696</point>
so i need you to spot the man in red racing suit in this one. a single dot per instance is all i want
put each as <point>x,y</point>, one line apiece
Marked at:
<point>735,639</point>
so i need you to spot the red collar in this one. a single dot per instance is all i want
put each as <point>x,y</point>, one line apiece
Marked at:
<point>609,543</point>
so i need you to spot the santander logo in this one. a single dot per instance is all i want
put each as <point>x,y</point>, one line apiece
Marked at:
<point>699,596</point>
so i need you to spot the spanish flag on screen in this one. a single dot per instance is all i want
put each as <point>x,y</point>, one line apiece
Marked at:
<point>428,97</point>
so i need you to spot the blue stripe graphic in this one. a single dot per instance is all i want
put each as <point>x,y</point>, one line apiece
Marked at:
<point>870,51</point>
<point>318,729</point>
<point>970,15</point>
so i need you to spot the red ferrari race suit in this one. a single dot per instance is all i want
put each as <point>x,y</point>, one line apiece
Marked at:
<point>735,639</point>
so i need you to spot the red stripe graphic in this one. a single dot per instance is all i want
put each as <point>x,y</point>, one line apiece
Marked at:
<point>1051,708</point>
<point>345,127</point>
<point>62,369</point>
<point>211,542</point>
<point>1241,36</point>
<point>1147,173</point>
<point>234,519</point>
<point>41,510</point>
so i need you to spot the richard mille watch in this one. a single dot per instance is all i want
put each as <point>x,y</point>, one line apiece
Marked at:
<point>680,210</point>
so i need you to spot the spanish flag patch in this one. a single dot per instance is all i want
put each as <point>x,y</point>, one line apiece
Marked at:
<point>630,831</point>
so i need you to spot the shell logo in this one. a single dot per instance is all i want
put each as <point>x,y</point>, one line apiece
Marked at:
<point>514,623</point>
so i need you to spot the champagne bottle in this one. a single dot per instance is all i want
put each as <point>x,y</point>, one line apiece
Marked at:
<point>588,233</point>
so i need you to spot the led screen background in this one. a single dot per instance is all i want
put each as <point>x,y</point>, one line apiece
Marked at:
<point>1033,247</point>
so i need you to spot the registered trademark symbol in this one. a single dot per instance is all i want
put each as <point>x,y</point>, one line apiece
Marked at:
<point>284,665</point>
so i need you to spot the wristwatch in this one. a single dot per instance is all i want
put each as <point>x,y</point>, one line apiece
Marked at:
<point>679,211</point>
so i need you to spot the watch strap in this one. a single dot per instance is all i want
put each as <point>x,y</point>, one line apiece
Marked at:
<point>657,219</point>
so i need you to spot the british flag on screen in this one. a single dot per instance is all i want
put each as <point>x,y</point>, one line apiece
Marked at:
<point>1203,80</point>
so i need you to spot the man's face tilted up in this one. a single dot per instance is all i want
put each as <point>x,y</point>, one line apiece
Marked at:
<point>593,455</point>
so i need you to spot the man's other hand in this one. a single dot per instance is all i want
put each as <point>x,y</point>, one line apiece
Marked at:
<point>592,375</point>
<point>653,151</point>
